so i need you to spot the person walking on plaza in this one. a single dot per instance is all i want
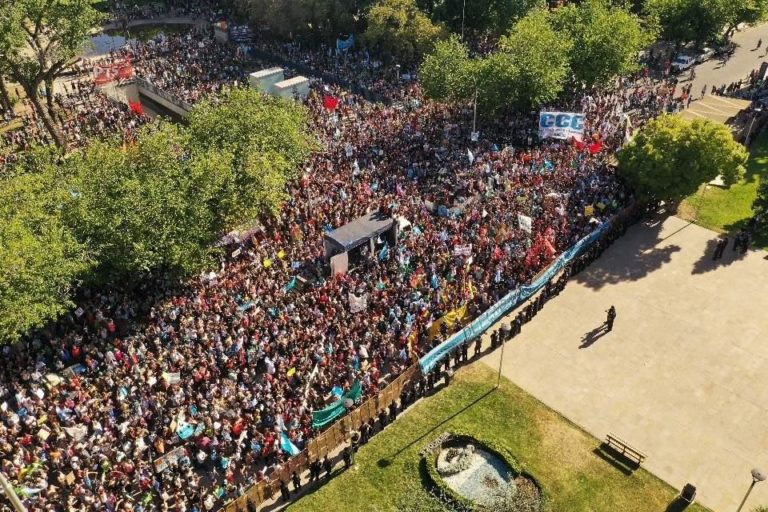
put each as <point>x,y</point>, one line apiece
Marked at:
<point>611,317</point>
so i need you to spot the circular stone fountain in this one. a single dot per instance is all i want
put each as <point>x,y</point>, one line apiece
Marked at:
<point>480,475</point>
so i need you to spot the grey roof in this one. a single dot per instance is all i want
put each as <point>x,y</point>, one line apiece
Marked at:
<point>354,233</point>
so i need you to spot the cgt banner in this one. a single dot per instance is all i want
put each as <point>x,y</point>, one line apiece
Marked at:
<point>561,125</point>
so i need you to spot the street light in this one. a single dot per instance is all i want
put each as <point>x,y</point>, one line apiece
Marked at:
<point>757,476</point>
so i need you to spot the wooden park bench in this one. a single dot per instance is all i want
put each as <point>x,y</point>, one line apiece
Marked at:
<point>625,449</point>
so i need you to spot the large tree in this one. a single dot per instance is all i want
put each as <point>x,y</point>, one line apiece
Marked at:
<point>398,29</point>
<point>702,21</point>
<point>148,206</point>
<point>38,39</point>
<point>606,40</point>
<point>537,56</point>
<point>671,157</point>
<point>530,69</point>
<point>494,16</point>
<point>40,259</point>
<point>269,138</point>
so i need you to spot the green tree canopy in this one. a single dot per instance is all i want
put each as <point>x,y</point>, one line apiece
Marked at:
<point>269,138</point>
<point>531,68</point>
<point>148,206</point>
<point>703,21</point>
<point>447,74</point>
<point>538,59</point>
<point>494,16</point>
<point>40,258</point>
<point>606,40</point>
<point>38,39</point>
<point>398,29</point>
<point>671,157</point>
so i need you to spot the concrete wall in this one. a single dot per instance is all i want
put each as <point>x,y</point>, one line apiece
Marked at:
<point>162,98</point>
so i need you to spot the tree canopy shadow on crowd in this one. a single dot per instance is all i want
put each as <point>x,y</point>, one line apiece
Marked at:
<point>632,257</point>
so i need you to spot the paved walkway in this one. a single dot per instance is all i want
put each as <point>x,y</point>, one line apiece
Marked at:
<point>684,374</point>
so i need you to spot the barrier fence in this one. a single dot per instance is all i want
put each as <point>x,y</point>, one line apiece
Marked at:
<point>338,434</point>
<point>326,442</point>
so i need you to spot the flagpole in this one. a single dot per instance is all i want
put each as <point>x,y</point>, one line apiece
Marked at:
<point>10,494</point>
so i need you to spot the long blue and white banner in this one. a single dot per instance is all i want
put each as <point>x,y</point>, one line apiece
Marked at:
<point>561,125</point>
<point>507,303</point>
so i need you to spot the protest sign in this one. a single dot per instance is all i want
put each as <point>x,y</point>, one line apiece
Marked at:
<point>462,250</point>
<point>525,222</point>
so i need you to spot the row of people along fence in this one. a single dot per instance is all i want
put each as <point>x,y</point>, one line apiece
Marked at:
<point>337,435</point>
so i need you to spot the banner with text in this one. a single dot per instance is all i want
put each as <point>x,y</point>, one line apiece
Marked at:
<point>561,125</point>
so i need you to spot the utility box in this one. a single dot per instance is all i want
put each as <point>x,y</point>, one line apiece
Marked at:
<point>266,79</point>
<point>297,87</point>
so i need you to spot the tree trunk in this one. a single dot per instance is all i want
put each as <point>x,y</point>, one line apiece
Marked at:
<point>49,98</point>
<point>32,94</point>
<point>5,98</point>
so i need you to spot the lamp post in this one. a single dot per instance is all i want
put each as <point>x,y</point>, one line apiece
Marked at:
<point>463,8</point>
<point>751,124</point>
<point>505,331</point>
<point>757,476</point>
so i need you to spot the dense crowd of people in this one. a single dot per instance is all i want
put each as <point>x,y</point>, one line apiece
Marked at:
<point>209,377</point>
<point>80,113</point>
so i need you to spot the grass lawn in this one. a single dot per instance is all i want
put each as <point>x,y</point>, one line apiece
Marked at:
<point>727,210</point>
<point>557,453</point>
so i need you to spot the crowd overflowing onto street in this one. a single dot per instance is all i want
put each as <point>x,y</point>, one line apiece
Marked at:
<point>216,375</point>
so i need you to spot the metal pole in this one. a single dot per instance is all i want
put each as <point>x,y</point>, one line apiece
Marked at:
<point>749,132</point>
<point>501,361</point>
<point>746,495</point>
<point>463,8</point>
<point>11,495</point>
<point>474,116</point>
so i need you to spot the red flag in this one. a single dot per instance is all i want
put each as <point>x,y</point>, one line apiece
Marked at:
<point>137,107</point>
<point>596,147</point>
<point>330,102</point>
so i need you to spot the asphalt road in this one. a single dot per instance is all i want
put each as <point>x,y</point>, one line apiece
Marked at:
<point>745,59</point>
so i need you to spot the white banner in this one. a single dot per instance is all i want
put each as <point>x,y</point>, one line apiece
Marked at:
<point>561,125</point>
<point>526,223</point>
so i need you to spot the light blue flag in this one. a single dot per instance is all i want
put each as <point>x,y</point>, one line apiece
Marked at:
<point>287,445</point>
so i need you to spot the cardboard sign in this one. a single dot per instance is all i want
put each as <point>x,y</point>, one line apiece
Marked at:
<point>525,222</point>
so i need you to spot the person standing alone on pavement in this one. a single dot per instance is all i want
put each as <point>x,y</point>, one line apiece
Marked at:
<point>611,317</point>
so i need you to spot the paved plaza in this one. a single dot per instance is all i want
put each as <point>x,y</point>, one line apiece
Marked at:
<point>683,376</point>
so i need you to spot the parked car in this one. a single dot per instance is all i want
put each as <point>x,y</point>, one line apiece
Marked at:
<point>683,62</point>
<point>706,54</point>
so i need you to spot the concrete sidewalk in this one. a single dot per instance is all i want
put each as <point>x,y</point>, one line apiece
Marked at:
<point>684,374</point>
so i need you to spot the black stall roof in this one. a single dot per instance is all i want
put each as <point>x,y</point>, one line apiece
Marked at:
<point>357,232</point>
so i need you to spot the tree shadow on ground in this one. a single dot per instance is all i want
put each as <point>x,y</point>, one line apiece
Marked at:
<point>707,264</point>
<point>592,336</point>
<point>639,252</point>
